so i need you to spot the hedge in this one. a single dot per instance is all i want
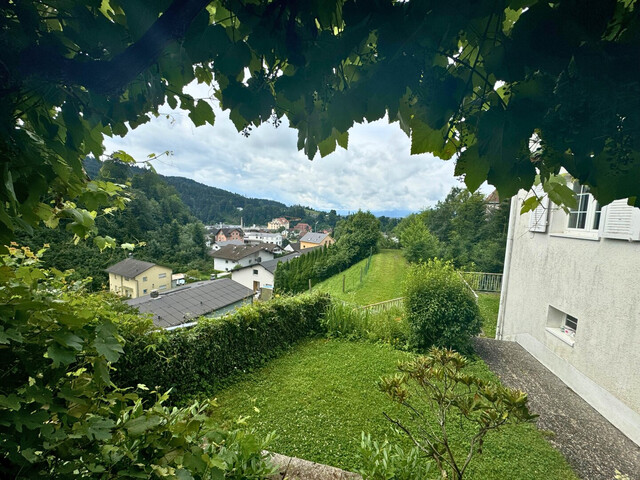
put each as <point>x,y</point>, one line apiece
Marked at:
<point>197,360</point>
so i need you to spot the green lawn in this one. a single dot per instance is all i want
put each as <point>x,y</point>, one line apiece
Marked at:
<point>489,304</point>
<point>321,395</point>
<point>383,282</point>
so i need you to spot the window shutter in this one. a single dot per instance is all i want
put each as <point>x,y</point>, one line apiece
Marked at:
<point>538,218</point>
<point>620,221</point>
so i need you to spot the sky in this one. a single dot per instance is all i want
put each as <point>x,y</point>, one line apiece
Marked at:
<point>376,173</point>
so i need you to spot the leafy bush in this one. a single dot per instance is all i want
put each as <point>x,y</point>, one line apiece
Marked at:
<point>439,384</point>
<point>440,308</point>
<point>390,462</point>
<point>197,360</point>
<point>60,414</point>
<point>349,321</point>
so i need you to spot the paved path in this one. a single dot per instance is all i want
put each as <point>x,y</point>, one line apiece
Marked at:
<point>593,447</point>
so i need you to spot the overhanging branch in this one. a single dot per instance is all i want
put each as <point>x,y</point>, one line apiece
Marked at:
<point>110,76</point>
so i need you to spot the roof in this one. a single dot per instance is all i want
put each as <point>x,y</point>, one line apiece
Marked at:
<point>271,265</point>
<point>130,267</point>
<point>184,304</point>
<point>230,242</point>
<point>238,252</point>
<point>300,226</point>
<point>314,237</point>
<point>492,197</point>
<point>177,276</point>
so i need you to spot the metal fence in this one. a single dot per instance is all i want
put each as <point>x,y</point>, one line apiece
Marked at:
<point>483,282</point>
<point>383,306</point>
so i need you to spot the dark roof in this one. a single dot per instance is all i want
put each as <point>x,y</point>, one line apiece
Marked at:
<point>271,265</point>
<point>238,252</point>
<point>295,246</point>
<point>314,237</point>
<point>130,267</point>
<point>185,304</point>
<point>301,226</point>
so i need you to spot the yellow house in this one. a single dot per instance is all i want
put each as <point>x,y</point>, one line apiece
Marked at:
<point>316,240</point>
<point>133,278</point>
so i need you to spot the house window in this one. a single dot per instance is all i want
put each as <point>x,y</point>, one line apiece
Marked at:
<point>255,271</point>
<point>144,291</point>
<point>562,325</point>
<point>162,275</point>
<point>162,287</point>
<point>144,279</point>
<point>586,216</point>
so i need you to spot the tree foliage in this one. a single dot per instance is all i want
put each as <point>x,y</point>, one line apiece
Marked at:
<point>473,78</point>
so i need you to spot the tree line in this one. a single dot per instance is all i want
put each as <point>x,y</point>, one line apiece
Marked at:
<point>462,228</point>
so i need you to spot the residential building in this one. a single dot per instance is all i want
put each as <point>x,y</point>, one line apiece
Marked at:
<point>302,228</point>
<point>178,279</point>
<point>262,237</point>
<point>228,233</point>
<point>232,256</point>
<point>570,298</point>
<point>278,223</point>
<point>183,306</point>
<point>261,275</point>
<point>133,278</point>
<point>316,240</point>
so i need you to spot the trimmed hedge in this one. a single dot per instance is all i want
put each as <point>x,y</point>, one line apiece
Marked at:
<point>197,360</point>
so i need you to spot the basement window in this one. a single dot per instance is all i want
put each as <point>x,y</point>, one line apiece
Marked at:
<point>562,325</point>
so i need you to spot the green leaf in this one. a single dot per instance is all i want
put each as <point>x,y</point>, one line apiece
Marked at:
<point>474,168</point>
<point>139,425</point>
<point>123,156</point>
<point>425,139</point>
<point>12,402</point>
<point>202,113</point>
<point>530,204</point>
<point>60,355</point>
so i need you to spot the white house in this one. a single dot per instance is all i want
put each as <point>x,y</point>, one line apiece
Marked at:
<point>570,298</point>
<point>231,256</point>
<point>262,237</point>
<point>261,275</point>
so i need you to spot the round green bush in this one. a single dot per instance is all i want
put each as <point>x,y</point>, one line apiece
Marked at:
<point>440,308</point>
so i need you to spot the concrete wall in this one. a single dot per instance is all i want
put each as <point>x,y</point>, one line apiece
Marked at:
<point>246,276</point>
<point>156,278</point>
<point>595,280</point>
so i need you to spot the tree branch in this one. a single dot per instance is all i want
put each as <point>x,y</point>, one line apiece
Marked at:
<point>111,76</point>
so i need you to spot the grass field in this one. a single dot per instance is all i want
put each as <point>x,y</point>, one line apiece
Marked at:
<point>383,282</point>
<point>321,395</point>
<point>489,304</point>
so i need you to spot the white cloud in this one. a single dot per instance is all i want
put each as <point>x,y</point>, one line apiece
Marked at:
<point>376,173</point>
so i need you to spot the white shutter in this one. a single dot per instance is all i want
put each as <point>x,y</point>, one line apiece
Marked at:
<point>538,218</point>
<point>620,221</point>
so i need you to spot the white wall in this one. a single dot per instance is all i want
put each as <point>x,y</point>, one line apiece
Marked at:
<point>228,265</point>
<point>595,280</point>
<point>247,276</point>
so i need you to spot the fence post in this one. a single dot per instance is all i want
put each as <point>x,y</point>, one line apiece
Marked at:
<point>361,275</point>
<point>309,285</point>
<point>344,278</point>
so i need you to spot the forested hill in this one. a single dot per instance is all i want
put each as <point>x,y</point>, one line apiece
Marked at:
<point>211,205</point>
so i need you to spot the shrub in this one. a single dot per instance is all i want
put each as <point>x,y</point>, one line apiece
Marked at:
<point>438,383</point>
<point>440,308</point>
<point>352,322</point>
<point>198,359</point>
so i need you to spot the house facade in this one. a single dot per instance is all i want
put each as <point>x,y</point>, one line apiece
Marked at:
<point>226,234</point>
<point>261,275</point>
<point>233,256</point>
<point>302,228</point>
<point>278,223</point>
<point>311,240</point>
<point>570,298</point>
<point>263,237</point>
<point>133,278</point>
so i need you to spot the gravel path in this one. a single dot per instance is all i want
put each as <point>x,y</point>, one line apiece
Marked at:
<point>593,447</point>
